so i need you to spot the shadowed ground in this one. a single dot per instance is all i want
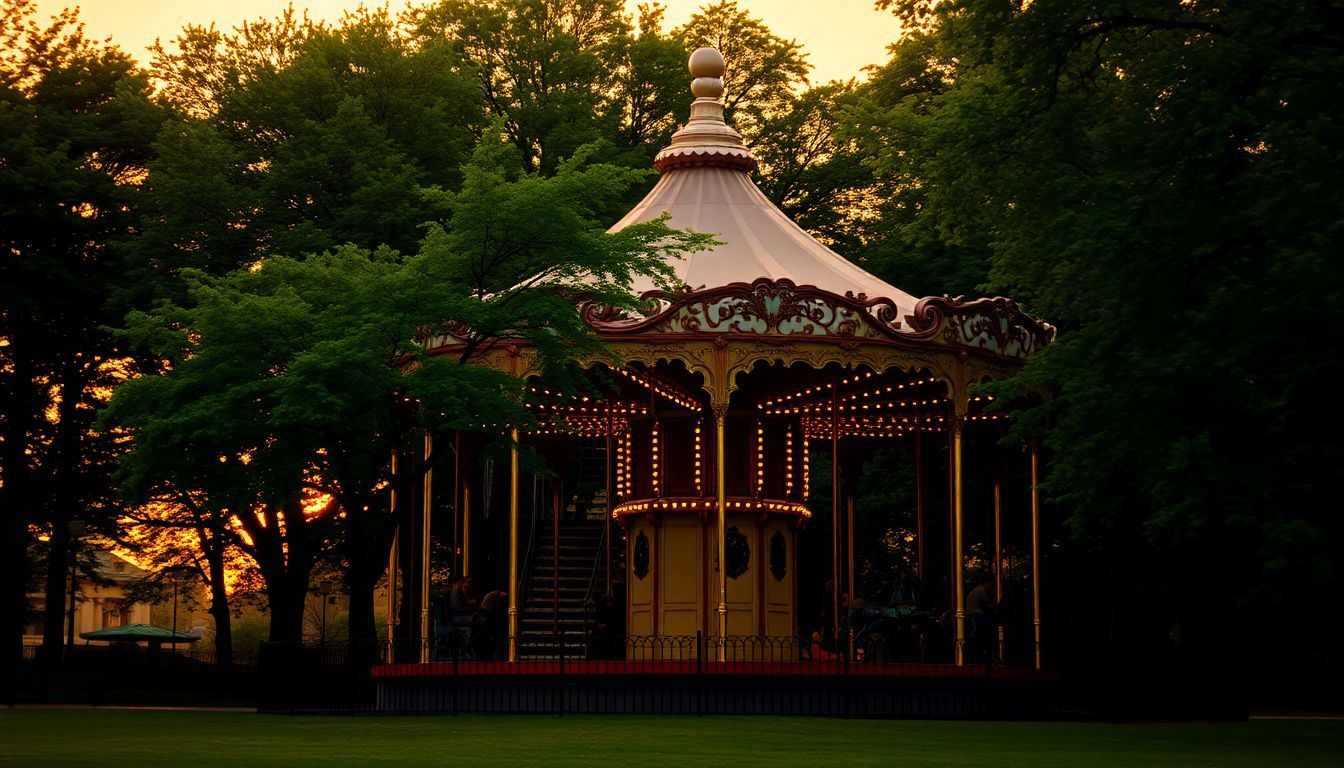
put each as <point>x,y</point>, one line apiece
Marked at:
<point>110,738</point>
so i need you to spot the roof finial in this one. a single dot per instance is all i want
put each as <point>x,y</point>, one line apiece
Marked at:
<point>706,139</point>
<point>707,67</point>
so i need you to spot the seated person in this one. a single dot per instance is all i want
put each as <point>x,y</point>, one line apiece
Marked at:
<point>462,606</point>
<point>818,651</point>
<point>868,619</point>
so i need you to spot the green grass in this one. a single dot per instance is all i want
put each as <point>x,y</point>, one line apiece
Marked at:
<point>104,738</point>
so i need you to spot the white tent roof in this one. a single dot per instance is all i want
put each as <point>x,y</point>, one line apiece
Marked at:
<point>706,187</point>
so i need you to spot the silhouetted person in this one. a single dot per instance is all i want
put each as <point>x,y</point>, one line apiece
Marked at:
<point>462,604</point>
<point>494,622</point>
<point>981,609</point>
<point>908,591</point>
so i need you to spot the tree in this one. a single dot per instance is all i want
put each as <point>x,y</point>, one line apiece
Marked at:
<point>561,73</point>
<point>297,137</point>
<point>76,127</point>
<point>762,71</point>
<point>651,92</point>
<point>302,376</point>
<point>817,178</point>
<point>303,138</point>
<point>202,434</point>
<point>544,66</point>
<point>912,228</point>
<point>182,509</point>
<point>1160,179</point>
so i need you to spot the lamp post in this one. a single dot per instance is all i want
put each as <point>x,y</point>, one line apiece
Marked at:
<point>176,574</point>
<point>76,529</point>
<point>325,588</point>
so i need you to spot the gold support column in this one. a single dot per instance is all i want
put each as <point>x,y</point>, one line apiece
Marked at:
<point>513,546</point>
<point>721,416</point>
<point>426,508</point>
<point>958,578</point>
<point>1035,445</point>
<point>919,504</point>
<point>455,567</point>
<point>392,559</point>
<point>951,519</point>
<point>849,577</point>
<point>557,499</point>
<point>611,501</point>
<point>466,529</point>
<point>721,478</point>
<point>998,553</point>
<point>835,510</point>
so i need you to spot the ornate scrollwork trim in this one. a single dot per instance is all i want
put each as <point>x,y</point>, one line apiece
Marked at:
<point>765,306</point>
<point>783,311</point>
<point>996,325</point>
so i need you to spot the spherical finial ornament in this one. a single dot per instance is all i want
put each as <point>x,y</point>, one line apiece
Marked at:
<point>707,87</point>
<point>706,62</point>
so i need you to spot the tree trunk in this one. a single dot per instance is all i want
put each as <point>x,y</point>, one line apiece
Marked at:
<point>58,568</point>
<point>65,451</point>
<point>15,503</point>
<point>14,603</point>
<point>286,563</point>
<point>285,597</point>
<point>362,580</point>
<point>368,542</point>
<point>219,599</point>
<point>286,614</point>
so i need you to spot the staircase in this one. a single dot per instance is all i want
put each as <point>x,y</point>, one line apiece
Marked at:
<point>580,548</point>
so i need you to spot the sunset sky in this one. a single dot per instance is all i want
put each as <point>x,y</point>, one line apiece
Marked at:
<point>840,36</point>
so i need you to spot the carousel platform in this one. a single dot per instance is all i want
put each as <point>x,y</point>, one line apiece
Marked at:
<point>681,686</point>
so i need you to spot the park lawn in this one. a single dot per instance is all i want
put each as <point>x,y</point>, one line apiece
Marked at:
<point>145,739</point>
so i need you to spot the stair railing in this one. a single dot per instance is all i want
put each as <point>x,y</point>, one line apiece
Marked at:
<point>588,604</point>
<point>525,575</point>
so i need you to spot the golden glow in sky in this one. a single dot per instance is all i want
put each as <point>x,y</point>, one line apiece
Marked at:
<point>840,36</point>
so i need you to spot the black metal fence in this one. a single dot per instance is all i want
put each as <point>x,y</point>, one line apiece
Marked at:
<point>690,674</point>
<point>112,674</point>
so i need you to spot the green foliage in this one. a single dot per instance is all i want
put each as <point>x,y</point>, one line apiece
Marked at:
<point>301,138</point>
<point>77,121</point>
<point>563,73</point>
<point>249,632</point>
<point>762,68</point>
<point>544,66</point>
<point>298,375</point>
<point>817,178</point>
<point>1159,179</point>
<point>651,90</point>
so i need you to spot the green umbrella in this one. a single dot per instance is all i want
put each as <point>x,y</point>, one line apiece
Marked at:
<point>135,632</point>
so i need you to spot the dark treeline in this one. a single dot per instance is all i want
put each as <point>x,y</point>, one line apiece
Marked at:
<point>1162,181</point>
<point>249,226</point>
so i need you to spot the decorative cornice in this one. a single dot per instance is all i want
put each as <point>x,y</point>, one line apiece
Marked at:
<point>997,325</point>
<point>689,504</point>
<point>765,306</point>
<point>779,310</point>
<point>704,157</point>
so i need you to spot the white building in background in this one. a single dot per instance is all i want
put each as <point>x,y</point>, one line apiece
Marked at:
<point>97,606</point>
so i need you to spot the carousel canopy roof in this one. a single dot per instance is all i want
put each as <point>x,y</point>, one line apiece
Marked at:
<point>769,278</point>
<point>706,187</point>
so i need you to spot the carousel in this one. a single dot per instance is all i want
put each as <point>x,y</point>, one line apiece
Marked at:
<point>702,443</point>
